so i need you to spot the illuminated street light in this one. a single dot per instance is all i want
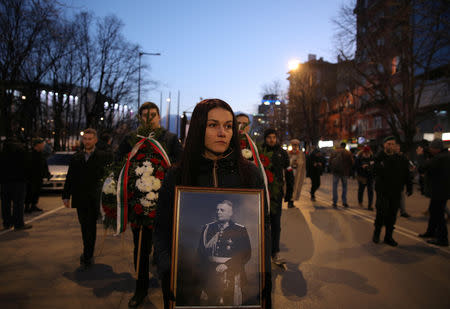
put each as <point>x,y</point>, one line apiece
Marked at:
<point>293,64</point>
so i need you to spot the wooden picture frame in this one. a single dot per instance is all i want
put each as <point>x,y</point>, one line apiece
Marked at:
<point>218,248</point>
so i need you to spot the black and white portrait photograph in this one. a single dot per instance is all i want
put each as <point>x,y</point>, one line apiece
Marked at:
<point>218,248</point>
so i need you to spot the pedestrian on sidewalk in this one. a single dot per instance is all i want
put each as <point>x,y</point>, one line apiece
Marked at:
<point>298,163</point>
<point>149,119</point>
<point>437,188</point>
<point>84,184</point>
<point>341,163</point>
<point>14,168</point>
<point>211,158</point>
<point>364,165</point>
<point>282,178</point>
<point>38,171</point>
<point>391,176</point>
<point>315,164</point>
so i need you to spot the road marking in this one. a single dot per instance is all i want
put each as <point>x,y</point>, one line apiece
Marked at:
<point>45,214</point>
<point>400,230</point>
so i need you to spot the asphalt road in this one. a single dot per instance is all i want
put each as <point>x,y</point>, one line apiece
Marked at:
<point>331,261</point>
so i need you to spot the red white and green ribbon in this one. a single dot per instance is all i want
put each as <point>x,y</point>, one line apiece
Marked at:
<point>122,184</point>
<point>259,164</point>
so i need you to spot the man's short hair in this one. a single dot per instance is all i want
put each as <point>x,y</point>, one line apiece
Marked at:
<point>226,202</point>
<point>90,131</point>
<point>148,105</point>
<point>343,145</point>
<point>243,115</point>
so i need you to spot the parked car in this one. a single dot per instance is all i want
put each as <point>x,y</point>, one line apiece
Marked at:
<point>58,165</point>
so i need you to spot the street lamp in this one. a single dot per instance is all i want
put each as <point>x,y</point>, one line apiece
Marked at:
<point>139,77</point>
<point>293,64</point>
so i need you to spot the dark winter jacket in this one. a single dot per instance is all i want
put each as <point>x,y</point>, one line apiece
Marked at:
<point>437,176</point>
<point>167,139</point>
<point>225,172</point>
<point>38,169</point>
<point>281,174</point>
<point>14,162</point>
<point>391,174</point>
<point>364,166</point>
<point>84,178</point>
<point>341,162</point>
<point>315,164</point>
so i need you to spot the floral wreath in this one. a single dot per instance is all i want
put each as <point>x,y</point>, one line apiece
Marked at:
<point>131,193</point>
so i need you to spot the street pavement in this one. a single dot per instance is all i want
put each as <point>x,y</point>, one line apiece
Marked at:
<point>331,261</point>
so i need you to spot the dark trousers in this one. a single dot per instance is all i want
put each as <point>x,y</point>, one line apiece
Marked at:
<point>387,206</point>
<point>143,280</point>
<point>437,226</point>
<point>275,228</point>
<point>315,183</point>
<point>87,216</point>
<point>362,187</point>
<point>13,193</point>
<point>32,196</point>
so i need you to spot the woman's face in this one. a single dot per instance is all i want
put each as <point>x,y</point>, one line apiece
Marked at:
<point>219,130</point>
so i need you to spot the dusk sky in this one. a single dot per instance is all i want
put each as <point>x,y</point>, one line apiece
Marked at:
<point>223,49</point>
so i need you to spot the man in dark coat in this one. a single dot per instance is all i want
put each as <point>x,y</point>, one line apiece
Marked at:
<point>38,171</point>
<point>437,188</point>
<point>149,123</point>
<point>282,177</point>
<point>224,249</point>
<point>315,164</point>
<point>84,185</point>
<point>14,167</point>
<point>391,176</point>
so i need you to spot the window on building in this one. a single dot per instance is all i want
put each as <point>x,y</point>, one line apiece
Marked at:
<point>377,122</point>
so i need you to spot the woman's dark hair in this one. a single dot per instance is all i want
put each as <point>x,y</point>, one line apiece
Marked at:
<point>195,142</point>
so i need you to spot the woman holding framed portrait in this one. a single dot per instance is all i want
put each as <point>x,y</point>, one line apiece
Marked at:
<point>211,160</point>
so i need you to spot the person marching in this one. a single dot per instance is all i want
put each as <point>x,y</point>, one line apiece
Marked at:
<point>437,188</point>
<point>38,171</point>
<point>298,163</point>
<point>149,119</point>
<point>84,184</point>
<point>211,158</point>
<point>364,164</point>
<point>391,175</point>
<point>281,175</point>
<point>314,168</point>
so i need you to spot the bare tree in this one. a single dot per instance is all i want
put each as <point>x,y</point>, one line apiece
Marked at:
<point>397,48</point>
<point>23,25</point>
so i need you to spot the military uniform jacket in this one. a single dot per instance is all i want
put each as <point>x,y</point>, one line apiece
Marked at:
<point>229,246</point>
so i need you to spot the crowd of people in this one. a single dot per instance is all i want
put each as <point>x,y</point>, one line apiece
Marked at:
<point>390,174</point>
<point>21,177</point>
<point>213,156</point>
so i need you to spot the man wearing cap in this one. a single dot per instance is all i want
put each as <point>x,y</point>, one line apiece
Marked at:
<point>437,187</point>
<point>38,171</point>
<point>391,176</point>
<point>279,171</point>
<point>298,163</point>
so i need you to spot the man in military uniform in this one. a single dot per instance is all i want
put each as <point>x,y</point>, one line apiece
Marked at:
<point>224,249</point>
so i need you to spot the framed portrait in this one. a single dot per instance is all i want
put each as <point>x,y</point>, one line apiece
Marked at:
<point>218,248</point>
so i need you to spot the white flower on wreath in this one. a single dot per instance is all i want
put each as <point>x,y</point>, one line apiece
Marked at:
<point>146,168</point>
<point>109,186</point>
<point>146,203</point>
<point>246,153</point>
